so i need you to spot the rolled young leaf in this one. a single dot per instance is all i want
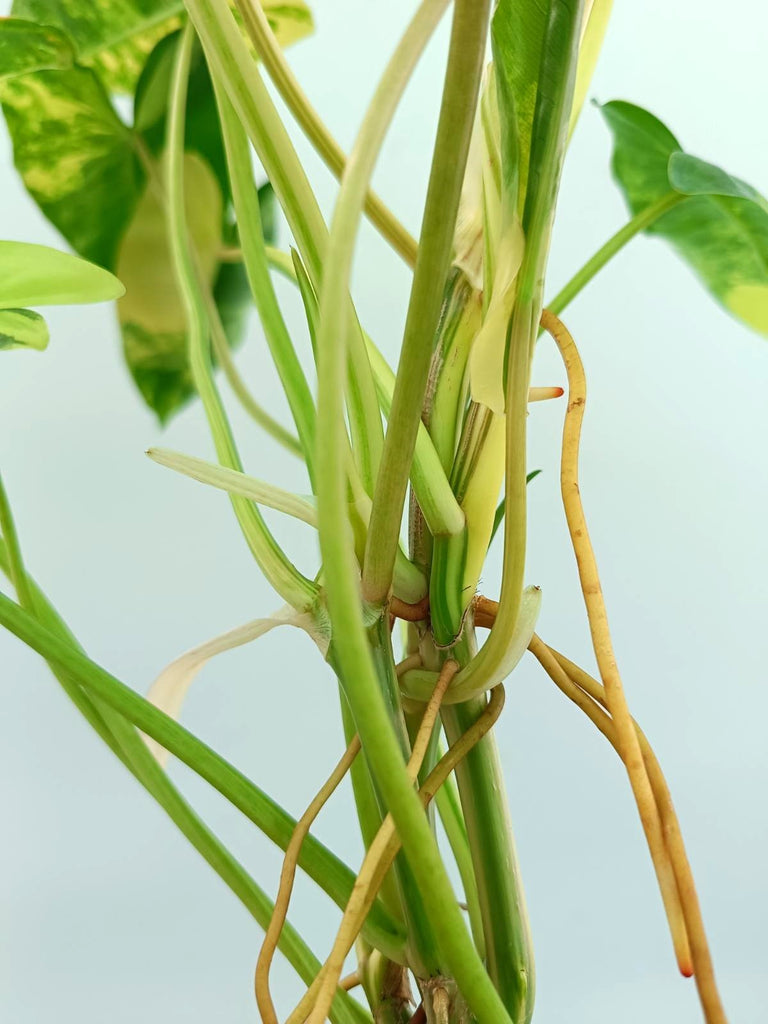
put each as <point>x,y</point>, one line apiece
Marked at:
<point>720,230</point>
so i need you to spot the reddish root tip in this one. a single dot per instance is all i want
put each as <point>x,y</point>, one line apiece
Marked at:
<point>686,970</point>
<point>542,394</point>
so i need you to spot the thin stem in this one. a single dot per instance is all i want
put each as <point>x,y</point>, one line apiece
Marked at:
<point>240,388</point>
<point>15,562</point>
<point>270,52</point>
<point>508,944</point>
<point>629,745</point>
<point>375,866</point>
<point>295,588</point>
<point>640,222</point>
<point>232,62</point>
<point>246,202</point>
<point>287,875</point>
<point>449,809</point>
<point>331,874</point>
<point>457,112</point>
<point>235,482</point>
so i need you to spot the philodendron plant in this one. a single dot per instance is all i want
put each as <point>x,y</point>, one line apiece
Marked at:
<point>170,206</point>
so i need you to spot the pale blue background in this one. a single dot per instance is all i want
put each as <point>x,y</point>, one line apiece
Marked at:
<point>106,914</point>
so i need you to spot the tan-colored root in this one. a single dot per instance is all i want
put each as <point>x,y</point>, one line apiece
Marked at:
<point>285,888</point>
<point>314,1007</point>
<point>701,958</point>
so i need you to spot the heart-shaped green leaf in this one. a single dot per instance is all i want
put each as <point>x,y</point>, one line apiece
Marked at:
<point>76,157</point>
<point>26,47</point>
<point>22,328</point>
<point>720,228</point>
<point>35,275</point>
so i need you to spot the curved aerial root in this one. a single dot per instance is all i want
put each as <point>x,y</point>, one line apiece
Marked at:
<point>688,932</point>
<point>285,888</point>
<point>662,862</point>
<point>378,860</point>
<point>703,971</point>
<point>626,736</point>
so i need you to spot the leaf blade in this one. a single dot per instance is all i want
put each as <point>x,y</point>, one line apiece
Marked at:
<point>22,328</point>
<point>720,229</point>
<point>36,275</point>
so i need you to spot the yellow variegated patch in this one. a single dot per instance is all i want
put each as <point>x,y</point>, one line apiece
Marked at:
<point>479,504</point>
<point>486,360</point>
<point>749,302</point>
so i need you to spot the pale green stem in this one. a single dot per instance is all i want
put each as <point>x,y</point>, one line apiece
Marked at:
<point>351,651</point>
<point>230,59</point>
<point>457,112</point>
<point>234,482</point>
<point>240,390</point>
<point>499,890</point>
<point>640,222</point>
<point>449,809</point>
<point>232,62</point>
<point>271,54</point>
<point>293,587</point>
<point>246,202</point>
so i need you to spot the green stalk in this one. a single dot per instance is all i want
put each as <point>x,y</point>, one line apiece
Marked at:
<point>231,63</point>
<point>553,104</point>
<point>499,890</point>
<point>640,222</point>
<point>293,587</point>
<point>271,54</point>
<point>449,809</point>
<point>462,82</point>
<point>357,671</point>
<point>240,390</point>
<point>123,740</point>
<point>246,202</point>
<point>335,286</point>
<point>331,874</point>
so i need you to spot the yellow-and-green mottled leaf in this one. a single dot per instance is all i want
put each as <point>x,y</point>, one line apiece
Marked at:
<point>22,328</point>
<point>26,47</point>
<point>115,37</point>
<point>151,313</point>
<point>720,229</point>
<point>76,157</point>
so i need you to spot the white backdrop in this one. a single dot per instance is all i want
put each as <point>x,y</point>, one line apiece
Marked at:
<point>107,915</point>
